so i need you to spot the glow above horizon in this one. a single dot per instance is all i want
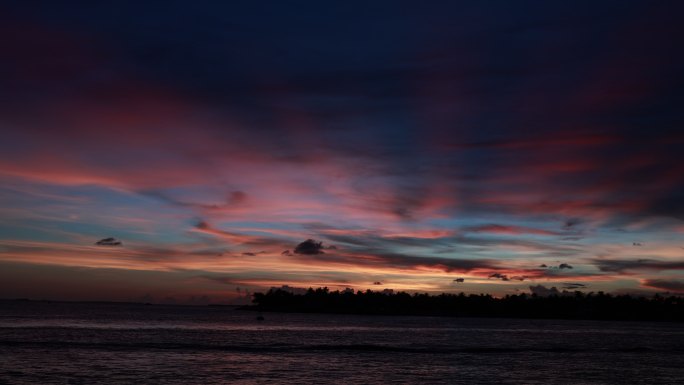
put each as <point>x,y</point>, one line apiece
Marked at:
<point>415,164</point>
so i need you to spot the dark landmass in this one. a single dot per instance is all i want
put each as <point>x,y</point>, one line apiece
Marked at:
<point>577,305</point>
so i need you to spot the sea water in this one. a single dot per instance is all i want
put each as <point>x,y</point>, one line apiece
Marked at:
<point>86,343</point>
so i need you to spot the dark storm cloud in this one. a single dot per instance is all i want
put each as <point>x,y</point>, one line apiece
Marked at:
<point>448,243</point>
<point>573,285</point>
<point>562,266</point>
<point>309,247</point>
<point>252,253</point>
<point>623,265</point>
<point>500,276</point>
<point>665,284</point>
<point>108,242</point>
<point>506,277</point>
<point>381,258</point>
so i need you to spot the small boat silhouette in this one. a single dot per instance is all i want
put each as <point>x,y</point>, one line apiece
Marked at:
<point>260,318</point>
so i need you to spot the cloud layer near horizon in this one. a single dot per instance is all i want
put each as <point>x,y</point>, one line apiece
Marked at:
<point>419,144</point>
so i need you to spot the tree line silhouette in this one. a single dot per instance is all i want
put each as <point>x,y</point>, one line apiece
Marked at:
<point>566,305</point>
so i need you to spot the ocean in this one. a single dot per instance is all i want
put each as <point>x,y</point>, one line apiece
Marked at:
<point>107,343</point>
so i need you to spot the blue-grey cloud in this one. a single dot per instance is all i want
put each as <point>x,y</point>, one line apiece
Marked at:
<point>108,242</point>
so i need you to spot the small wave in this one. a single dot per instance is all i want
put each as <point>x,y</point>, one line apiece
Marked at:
<point>285,348</point>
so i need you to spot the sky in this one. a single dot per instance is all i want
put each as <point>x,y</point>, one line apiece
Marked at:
<point>200,151</point>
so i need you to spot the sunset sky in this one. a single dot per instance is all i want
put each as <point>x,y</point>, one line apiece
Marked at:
<point>441,146</point>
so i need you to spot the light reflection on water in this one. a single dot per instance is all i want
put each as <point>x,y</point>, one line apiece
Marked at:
<point>104,343</point>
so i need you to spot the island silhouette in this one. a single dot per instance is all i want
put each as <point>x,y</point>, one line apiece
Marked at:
<point>564,305</point>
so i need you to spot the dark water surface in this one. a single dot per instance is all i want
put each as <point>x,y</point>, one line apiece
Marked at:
<point>71,343</point>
